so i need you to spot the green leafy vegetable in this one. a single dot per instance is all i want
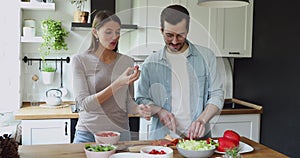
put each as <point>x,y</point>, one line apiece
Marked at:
<point>195,145</point>
<point>99,148</point>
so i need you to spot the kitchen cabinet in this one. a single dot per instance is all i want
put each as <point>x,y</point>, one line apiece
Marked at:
<point>227,31</point>
<point>234,31</point>
<point>247,125</point>
<point>48,131</point>
<point>240,116</point>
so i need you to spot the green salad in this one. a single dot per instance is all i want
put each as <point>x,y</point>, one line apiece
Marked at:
<point>99,148</point>
<point>195,145</point>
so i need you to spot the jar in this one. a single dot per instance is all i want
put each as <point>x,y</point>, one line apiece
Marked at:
<point>28,31</point>
<point>29,22</point>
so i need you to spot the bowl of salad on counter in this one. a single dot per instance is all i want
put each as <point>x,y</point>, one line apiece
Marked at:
<point>195,148</point>
<point>99,150</point>
<point>156,152</point>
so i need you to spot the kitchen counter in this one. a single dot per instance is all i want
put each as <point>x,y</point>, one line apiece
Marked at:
<point>27,112</point>
<point>237,106</point>
<point>76,150</point>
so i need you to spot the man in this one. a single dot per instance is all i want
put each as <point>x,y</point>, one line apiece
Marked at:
<point>179,85</point>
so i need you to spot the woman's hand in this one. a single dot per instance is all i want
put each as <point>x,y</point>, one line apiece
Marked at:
<point>130,75</point>
<point>145,111</point>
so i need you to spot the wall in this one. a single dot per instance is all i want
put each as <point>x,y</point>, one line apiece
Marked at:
<point>9,57</point>
<point>271,77</point>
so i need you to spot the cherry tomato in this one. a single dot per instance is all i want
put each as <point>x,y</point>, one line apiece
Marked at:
<point>157,152</point>
<point>108,134</point>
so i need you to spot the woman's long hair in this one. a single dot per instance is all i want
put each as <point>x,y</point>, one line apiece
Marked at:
<point>100,19</point>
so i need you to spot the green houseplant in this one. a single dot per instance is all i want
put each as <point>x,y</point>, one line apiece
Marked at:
<point>80,15</point>
<point>53,35</point>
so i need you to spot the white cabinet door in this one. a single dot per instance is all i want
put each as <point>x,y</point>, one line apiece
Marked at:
<point>50,131</point>
<point>202,25</point>
<point>247,125</point>
<point>146,13</point>
<point>234,31</point>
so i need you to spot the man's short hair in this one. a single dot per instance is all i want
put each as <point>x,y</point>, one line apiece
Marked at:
<point>174,14</point>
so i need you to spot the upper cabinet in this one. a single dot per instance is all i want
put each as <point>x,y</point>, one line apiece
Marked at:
<point>234,31</point>
<point>228,32</point>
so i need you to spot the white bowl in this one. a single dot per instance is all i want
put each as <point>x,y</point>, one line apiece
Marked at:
<point>104,137</point>
<point>102,154</point>
<point>145,152</point>
<point>196,153</point>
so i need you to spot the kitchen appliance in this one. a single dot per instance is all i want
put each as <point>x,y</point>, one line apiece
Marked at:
<point>53,97</point>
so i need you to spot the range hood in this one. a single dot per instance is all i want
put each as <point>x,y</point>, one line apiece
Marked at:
<point>97,5</point>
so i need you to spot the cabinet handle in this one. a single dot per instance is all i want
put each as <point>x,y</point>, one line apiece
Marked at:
<point>234,53</point>
<point>66,128</point>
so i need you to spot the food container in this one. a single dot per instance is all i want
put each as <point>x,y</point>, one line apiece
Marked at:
<point>159,152</point>
<point>191,148</point>
<point>99,154</point>
<point>28,31</point>
<point>107,137</point>
<point>29,22</point>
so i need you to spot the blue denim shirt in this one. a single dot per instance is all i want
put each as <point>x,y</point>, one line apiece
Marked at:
<point>154,85</point>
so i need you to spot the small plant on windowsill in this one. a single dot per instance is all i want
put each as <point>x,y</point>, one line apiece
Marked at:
<point>53,40</point>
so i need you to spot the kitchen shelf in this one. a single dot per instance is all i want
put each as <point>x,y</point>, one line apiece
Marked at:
<point>87,26</point>
<point>35,39</point>
<point>37,6</point>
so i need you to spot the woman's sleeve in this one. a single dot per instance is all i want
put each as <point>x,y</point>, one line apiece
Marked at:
<point>83,98</point>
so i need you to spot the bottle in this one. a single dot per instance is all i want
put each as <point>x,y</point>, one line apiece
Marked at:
<point>34,100</point>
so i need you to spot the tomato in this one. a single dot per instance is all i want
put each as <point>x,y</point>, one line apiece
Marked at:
<point>210,141</point>
<point>157,152</point>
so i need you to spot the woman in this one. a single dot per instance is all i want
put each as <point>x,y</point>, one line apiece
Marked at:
<point>103,82</point>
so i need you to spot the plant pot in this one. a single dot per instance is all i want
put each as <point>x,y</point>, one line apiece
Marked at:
<point>81,16</point>
<point>48,77</point>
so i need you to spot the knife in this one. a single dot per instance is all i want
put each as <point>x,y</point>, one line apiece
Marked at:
<point>177,134</point>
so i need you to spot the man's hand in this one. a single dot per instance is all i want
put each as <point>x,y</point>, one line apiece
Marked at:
<point>196,129</point>
<point>167,119</point>
<point>145,111</point>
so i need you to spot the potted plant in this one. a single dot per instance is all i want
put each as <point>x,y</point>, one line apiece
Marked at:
<point>80,15</point>
<point>53,40</point>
